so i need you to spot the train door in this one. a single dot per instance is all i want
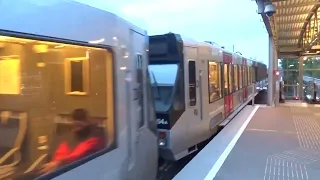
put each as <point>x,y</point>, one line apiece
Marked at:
<point>195,76</point>
<point>228,98</point>
<point>245,79</point>
<point>143,142</point>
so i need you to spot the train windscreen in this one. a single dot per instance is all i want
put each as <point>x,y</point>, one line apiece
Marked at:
<point>163,78</point>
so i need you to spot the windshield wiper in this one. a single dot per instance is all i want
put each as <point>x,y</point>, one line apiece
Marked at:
<point>158,96</point>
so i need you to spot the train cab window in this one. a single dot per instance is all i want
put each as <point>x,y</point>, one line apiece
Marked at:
<point>163,78</point>
<point>226,79</point>
<point>214,81</point>
<point>235,78</point>
<point>76,73</point>
<point>240,76</point>
<point>192,83</point>
<point>44,115</point>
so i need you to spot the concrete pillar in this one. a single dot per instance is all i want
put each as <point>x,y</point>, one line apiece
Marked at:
<point>276,79</point>
<point>300,77</point>
<point>270,73</point>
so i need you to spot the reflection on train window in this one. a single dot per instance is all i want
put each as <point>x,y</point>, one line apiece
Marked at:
<point>230,77</point>
<point>226,78</point>
<point>192,83</point>
<point>240,76</point>
<point>10,75</point>
<point>235,77</point>
<point>214,81</point>
<point>44,126</point>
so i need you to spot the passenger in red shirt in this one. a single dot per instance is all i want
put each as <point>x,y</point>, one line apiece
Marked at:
<point>87,144</point>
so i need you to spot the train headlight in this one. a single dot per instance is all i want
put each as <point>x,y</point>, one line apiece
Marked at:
<point>162,142</point>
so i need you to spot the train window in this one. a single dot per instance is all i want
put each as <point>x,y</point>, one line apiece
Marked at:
<point>10,75</point>
<point>150,107</point>
<point>163,74</point>
<point>76,75</point>
<point>192,83</point>
<point>249,75</point>
<point>230,74</point>
<point>140,88</point>
<point>244,71</point>
<point>226,79</point>
<point>45,117</point>
<point>214,81</point>
<point>254,74</point>
<point>240,76</point>
<point>235,77</point>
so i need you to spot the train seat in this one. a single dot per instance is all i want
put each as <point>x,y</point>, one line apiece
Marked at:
<point>13,126</point>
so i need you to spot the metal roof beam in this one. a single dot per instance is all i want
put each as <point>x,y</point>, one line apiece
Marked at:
<point>289,49</point>
<point>293,14</point>
<point>289,38</point>
<point>312,12</point>
<point>279,0</point>
<point>298,5</point>
<point>292,22</point>
<point>289,29</point>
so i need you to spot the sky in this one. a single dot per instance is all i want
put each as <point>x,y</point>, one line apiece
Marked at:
<point>228,23</point>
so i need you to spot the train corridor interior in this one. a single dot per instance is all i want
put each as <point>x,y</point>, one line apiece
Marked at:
<point>41,83</point>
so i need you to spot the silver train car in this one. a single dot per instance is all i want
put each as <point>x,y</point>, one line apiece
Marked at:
<point>59,56</point>
<point>196,86</point>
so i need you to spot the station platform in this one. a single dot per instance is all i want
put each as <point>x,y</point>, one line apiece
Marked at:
<point>281,143</point>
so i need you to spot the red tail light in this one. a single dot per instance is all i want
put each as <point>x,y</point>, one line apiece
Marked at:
<point>162,135</point>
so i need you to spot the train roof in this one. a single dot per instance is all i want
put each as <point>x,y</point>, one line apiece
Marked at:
<point>193,43</point>
<point>62,19</point>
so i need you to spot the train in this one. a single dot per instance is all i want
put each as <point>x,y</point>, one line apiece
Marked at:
<point>60,56</point>
<point>144,96</point>
<point>196,86</point>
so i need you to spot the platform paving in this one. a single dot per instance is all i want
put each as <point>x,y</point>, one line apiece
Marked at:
<point>280,143</point>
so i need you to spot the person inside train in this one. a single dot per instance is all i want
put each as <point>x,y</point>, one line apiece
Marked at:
<point>87,143</point>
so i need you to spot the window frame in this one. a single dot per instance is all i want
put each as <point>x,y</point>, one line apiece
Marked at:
<point>218,64</point>
<point>112,92</point>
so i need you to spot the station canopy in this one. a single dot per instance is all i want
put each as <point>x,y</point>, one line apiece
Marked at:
<point>294,27</point>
